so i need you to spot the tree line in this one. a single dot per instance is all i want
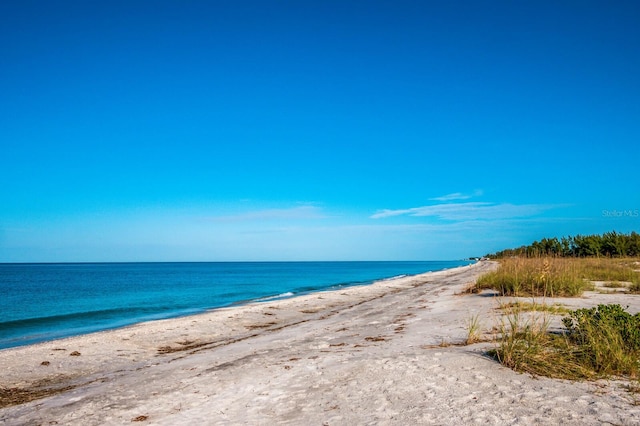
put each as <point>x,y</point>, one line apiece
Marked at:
<point>609,244</point>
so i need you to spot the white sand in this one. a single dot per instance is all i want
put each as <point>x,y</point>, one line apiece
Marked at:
<point>363,355</point>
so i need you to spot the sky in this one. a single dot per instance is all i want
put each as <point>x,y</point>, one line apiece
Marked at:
<point>314,130</point>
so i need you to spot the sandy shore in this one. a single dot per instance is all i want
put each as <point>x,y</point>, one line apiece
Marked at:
<point>388,353</point>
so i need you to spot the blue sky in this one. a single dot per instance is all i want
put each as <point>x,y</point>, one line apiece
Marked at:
<point>301,130</point>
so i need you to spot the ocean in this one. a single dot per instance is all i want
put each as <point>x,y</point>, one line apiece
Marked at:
<point>40,302</point>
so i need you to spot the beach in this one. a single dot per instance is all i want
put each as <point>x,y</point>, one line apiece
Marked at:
<point>392,352</point>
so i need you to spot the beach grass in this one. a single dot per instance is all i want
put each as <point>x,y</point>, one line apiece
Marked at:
<point>558,277</point>
<point>608,338</point>
<point>555,309</point>
<point>474,329</point>
<point>525,345</point>
<point>615,284</point>
<point>596,342</point>
<point>610,270</point>
<point>549,277</point>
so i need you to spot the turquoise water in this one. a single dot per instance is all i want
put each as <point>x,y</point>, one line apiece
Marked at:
<point>48,301</point>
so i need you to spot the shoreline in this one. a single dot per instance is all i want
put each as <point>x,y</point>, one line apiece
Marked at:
<point>236,305</point>
<point>65,330</point>
<point>389,352</point>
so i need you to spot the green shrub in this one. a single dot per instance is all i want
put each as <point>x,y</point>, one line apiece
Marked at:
<point>586,326</point>
<point>607,339</point>
<point>599,342</point>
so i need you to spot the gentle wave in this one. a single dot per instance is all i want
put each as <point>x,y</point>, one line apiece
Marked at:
<point>104,313</point>
<point>33,330</point>
<point>396,277</point>
<point>276,297</point>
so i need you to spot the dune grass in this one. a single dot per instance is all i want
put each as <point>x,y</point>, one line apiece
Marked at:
<point>557,277</point>
<point>520,306</point>
<point>535,277</point>
<point>609,270</point>
<point>474,329</point>
<point>597,342</point>
<point>525,345</point>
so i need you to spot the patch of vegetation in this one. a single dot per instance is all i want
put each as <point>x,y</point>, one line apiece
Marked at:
<point>548,277</point>
<point>609,244</point>
<point>614,284</point>
<point>473,329</point>
<point>608,338</point>
<point>525,345</point>
<point>598,342</point>
<point>557,277</point>
<point>604,269</point>
<point>555,309</point>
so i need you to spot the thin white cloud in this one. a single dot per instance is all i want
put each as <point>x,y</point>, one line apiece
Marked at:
<point>293,213</point>
<point>467,211</point>
<point>456,196</point>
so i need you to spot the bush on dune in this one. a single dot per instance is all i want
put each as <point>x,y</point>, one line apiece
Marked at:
<point>597,342</point>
